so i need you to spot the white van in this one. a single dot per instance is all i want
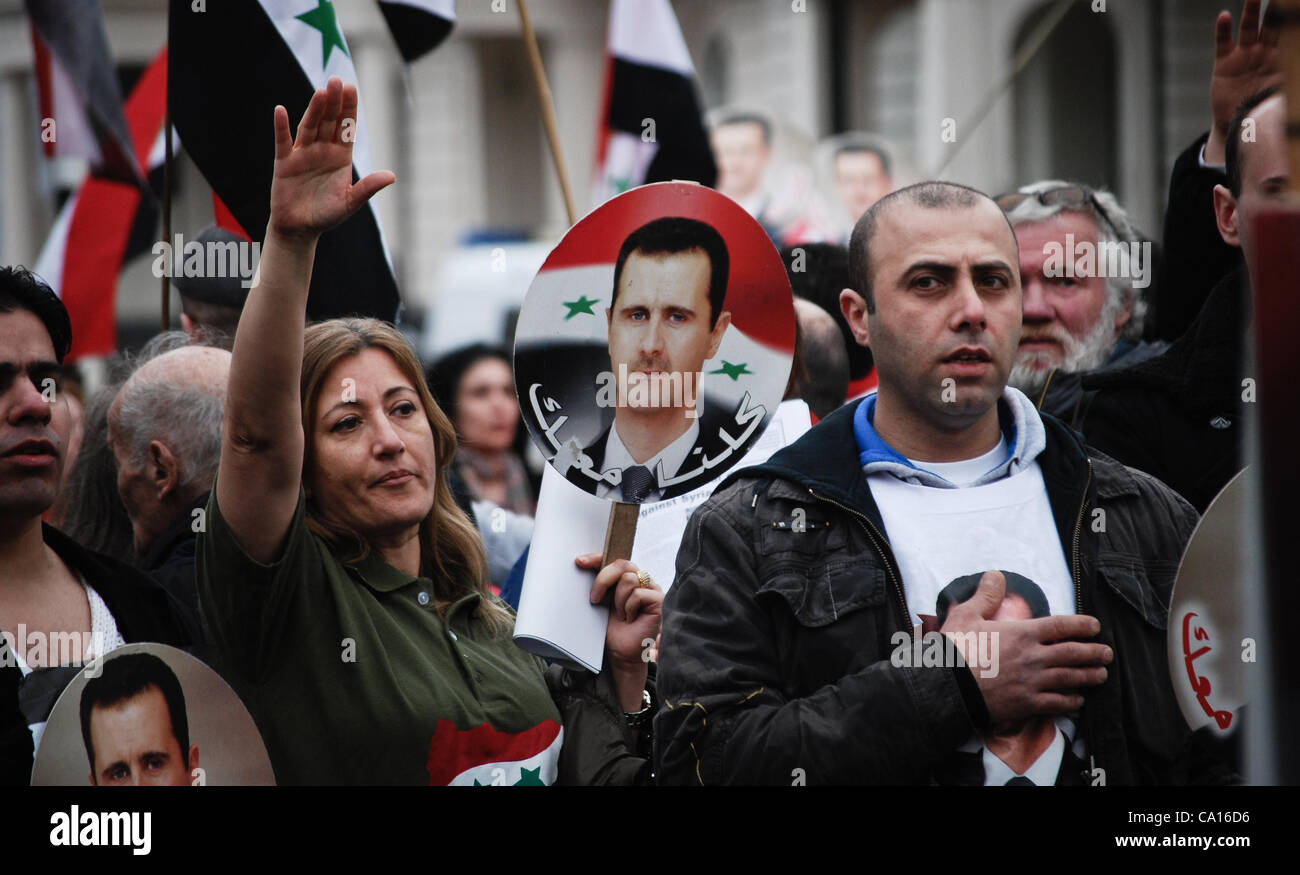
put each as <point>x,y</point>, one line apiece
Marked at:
<point>480,289</point>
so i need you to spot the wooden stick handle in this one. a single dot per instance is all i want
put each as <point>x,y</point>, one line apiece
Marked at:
<point>621,531</point>
<point>548,109</point>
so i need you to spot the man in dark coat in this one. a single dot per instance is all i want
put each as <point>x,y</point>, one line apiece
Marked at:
<point>164,427</point>
<point>52,591</point>
<point>1195,256</point>
<point>1179,416</point>
<point>1085,270</point>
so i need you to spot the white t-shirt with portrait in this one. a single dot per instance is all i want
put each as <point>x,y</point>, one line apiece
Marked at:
<point>938,535</point>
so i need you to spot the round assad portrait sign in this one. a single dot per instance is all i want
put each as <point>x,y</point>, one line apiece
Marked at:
<point>150,715</point>
<point>655,343</point>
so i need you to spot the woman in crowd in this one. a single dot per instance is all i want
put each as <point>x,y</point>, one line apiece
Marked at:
<point>476,389</point>
<point>343,589</point>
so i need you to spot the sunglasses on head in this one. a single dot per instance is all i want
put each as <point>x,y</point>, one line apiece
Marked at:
<point>1065,196</point>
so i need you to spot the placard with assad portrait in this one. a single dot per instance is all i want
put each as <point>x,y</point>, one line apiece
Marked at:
<point>655,343</point>
<point>150,715</point>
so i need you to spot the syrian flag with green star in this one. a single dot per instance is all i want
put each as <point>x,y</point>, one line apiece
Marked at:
<point>651,129</point>
<point>233,62</point>
<point>485,755</point>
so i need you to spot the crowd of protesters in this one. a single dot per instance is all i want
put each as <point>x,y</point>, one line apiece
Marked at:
<point>265,495</point>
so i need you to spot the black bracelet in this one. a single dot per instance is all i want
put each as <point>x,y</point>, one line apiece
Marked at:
<point>642,723</point>
<point>638,719</point>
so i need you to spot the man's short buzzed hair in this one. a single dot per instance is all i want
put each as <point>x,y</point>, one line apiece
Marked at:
<point>674,234</point>
<point>930,195</point>
<point>20,289</point>
<point>125,677</point>
<point>748,118</point>
<point>1232,149</point>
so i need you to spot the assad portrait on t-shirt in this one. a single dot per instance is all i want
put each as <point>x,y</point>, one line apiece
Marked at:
<point>1035,750</point>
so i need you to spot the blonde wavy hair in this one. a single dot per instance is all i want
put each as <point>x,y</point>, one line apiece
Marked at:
<point>451,551</point>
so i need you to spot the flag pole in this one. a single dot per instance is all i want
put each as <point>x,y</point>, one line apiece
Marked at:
<point>1035,41</point>
<point>167,184</point>
<point>548,109</point>
<point>621,530</point>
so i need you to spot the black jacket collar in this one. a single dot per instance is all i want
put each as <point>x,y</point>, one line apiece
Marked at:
<point>176,543</point>
<point>142,610</point>
<point>1202,369</point>
<point>825,460</point>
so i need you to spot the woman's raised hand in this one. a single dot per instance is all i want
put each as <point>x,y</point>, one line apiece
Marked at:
<point>312,189</point>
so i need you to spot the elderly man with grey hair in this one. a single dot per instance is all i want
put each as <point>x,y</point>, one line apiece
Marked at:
<point>1084,269</point>
<point>164,428</point>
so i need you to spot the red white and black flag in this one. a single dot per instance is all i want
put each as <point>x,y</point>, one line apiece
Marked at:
<point>418,26</point>
<point>234,63</point>
<point>651,129</point>
<point>105,224</point>
<point>81,105</point>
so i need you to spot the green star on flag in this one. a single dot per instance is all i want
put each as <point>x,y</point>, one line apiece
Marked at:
<point>733,371</point>
<point>322,18</point>
<point>530,778</point>
<point>582,305</point>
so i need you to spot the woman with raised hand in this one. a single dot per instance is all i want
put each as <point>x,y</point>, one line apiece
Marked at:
<point>344,591</point>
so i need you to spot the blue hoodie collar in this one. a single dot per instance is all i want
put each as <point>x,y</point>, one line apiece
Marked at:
<point>1017,416</point>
